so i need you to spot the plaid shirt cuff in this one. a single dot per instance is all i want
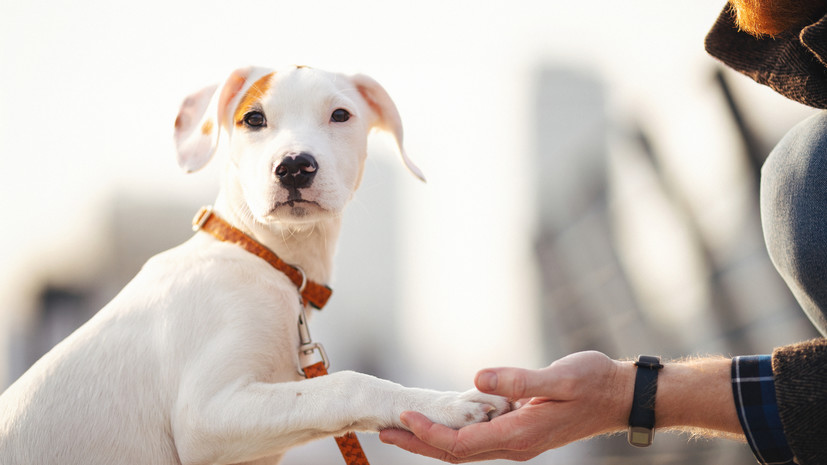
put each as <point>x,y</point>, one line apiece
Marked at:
<point>754,391</point>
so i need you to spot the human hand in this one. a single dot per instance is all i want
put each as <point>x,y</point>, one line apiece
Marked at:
<point>576,397</point>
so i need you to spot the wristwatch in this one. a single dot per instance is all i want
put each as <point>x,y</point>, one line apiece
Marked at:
<point>642,416</point>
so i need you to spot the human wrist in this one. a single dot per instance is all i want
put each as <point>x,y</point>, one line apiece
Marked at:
<point>697,394</point>
<point>625,372</point>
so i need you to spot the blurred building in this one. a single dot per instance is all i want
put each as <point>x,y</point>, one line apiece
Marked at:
<point>134,230</point>
<point>585,294</point>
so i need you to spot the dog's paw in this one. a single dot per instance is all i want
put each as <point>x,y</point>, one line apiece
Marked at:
<point>456,410</point>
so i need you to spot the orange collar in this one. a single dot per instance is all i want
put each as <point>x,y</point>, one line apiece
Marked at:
<point>311,292</point>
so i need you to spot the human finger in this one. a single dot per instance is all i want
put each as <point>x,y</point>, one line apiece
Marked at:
<point>473,443</point>
<point>513,383</point>
<point>408,441</point>
<point>471,440</point>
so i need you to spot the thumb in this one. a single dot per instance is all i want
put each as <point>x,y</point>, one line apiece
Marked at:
<point>513,383</point>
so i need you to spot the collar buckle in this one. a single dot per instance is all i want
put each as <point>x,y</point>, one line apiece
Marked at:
<point>201,217</point>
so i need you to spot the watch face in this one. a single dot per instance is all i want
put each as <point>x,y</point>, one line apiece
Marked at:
<point>640,436</point>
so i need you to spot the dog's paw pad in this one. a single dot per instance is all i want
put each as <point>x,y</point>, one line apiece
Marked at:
<point>472,407</point>
<point>492,405</point>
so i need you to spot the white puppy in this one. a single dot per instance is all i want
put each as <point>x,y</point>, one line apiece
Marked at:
<point>195,360</point>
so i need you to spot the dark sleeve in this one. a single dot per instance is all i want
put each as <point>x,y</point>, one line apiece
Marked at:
<point>800,373</point>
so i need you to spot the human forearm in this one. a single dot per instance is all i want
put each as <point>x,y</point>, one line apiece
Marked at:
<point>691,395</point>
<point>697,395</point>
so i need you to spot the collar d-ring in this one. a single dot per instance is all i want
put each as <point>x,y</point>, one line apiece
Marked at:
<point>304,278</point>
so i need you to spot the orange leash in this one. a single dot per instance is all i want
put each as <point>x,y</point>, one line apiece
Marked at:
<point>348,444</point>
<point>311,293</point>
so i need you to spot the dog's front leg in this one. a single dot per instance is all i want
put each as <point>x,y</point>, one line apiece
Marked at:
<point>246,421</point>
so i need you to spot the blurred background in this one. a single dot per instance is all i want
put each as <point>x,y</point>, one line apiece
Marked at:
<point>592,184</point>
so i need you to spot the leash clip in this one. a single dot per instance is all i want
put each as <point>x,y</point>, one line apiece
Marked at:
<point>308,347</point>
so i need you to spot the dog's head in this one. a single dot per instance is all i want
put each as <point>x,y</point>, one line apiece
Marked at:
<point>297,137</point>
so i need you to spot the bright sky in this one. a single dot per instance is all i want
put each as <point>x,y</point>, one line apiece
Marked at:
<point>90,89</point>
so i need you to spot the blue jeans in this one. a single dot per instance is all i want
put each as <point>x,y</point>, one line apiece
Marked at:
<point>794,214</point>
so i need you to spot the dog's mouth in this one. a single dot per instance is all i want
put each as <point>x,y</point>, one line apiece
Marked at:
<point>296,208</point>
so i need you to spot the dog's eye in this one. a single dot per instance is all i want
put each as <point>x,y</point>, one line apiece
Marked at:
<point>255,119</point>
<point>340,115</point>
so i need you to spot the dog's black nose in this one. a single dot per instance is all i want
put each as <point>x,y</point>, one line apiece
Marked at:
<point>297,171</point>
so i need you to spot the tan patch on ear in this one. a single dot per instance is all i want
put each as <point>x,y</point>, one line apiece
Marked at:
<point>206,128</point>
<point>253,95</point>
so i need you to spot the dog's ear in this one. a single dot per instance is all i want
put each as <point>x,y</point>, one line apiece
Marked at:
<point>200,118</point>
<point>386,116</point>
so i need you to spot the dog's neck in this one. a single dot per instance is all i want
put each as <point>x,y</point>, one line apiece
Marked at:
<point>308,246</point>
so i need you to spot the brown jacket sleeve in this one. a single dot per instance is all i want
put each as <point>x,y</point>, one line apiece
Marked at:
<point>800,372</point>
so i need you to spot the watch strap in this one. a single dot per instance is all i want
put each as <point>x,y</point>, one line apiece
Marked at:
<point>642,416</point>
